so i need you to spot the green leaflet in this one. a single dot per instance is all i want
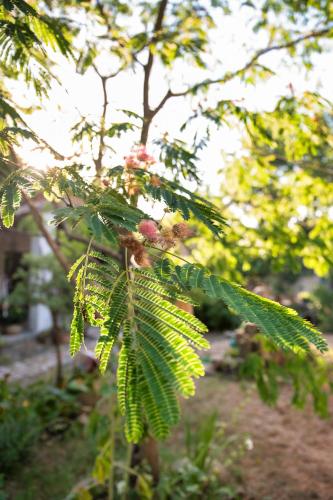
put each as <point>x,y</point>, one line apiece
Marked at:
<point>116,314</point>
<point>75,266</point>
<point>106,259</point>
<point>108,335</point>
<point>77,330</point>
<point>279,323</point>
<point>123,366</point>
<point>129,395</point>
<point>10,202</point>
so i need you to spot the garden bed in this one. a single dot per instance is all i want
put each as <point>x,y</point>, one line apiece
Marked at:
<point>299,440</point>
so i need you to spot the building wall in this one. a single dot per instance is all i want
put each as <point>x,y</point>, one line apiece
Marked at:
<point>39,315</point>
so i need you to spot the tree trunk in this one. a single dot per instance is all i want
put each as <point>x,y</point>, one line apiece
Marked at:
<point>151,454</point>
<point>55,337</point>
<point>146,450</point>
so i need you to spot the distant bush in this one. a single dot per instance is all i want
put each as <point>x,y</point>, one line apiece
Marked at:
<point>19,427</point>
<point>25,413</point>
<point>216,315</point>
<point>321,302</point>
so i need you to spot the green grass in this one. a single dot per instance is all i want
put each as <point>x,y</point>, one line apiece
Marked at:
<point>53,468</point>
<point>59,462</point>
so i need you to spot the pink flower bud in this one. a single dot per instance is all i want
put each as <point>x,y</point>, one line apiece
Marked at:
<point>142,155</point>
<point>131,161</point>
<point>148,229</point>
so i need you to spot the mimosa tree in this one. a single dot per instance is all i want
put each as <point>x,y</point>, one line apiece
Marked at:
<point>132,274</point>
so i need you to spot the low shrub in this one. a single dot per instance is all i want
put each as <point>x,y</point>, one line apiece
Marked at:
<point>20,427</point>
<point>216,315</point>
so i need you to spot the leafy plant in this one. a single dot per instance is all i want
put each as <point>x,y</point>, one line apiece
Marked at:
<point>209,448</point>
<point>127,283</point>
<point>28,412</point>
<point>19,428</point>
<point>134,302</point>
<point>309,376</point>
<point>320,301</point>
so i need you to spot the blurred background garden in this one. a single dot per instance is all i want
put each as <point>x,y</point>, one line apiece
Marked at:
<point>231,99</point>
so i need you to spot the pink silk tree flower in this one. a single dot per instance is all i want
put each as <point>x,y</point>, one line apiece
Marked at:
<point>131,161</point>
<point>143,155</point>
<point>148,229</point>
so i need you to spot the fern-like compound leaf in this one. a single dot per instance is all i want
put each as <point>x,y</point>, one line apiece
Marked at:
<point>129,396</point>
<point>281,324</point>
<point>77,324</point>
<point>156,360</point>
<point>188,204</point>
<point>158,357</point>
<point>75,266</point>
<point>160,429</point>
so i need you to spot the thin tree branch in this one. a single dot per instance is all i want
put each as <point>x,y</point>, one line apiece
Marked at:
<point>162,102</point>
<point>41,226</point>
<point>99,160</point>
<point>54,152</point>
<point>83,239</point>
<point>230,76</point>
<point>110,75</point>
<point>148,113</point>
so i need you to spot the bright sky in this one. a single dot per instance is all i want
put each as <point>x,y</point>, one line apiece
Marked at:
<point>54,120</point>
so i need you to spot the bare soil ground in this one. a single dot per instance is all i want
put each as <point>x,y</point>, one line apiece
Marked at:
<point>292,456</point>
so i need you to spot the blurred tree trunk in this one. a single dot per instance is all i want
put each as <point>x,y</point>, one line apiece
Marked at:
<point>56,341</point>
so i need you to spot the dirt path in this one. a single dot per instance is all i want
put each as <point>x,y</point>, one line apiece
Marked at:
<point>35,366</point>
<point>292,456</point>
